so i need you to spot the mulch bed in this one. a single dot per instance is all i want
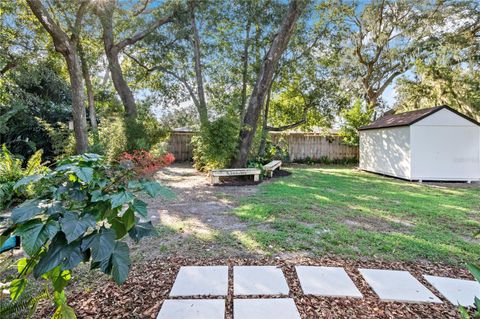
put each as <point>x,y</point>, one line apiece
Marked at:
<point>150,282</point>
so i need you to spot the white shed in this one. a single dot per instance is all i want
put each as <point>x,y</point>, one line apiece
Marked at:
<point>435,144</point>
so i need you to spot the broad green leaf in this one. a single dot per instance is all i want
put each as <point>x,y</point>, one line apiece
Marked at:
<point>59,253</point>
<point>55,207</point>
<point>142,230</point>
<point>59,278</point>
<point>154,189</point>
<point>84,173</point>
<point>101,244</point>
<point>21,265</point>
<point>120,199</point>
<point>17,286</point>
<point>75,226</point>
<point>128,219</point>
<point>73,255</point>
<point>120,262</point>
<point>134,185</point>
<point>59,298</point>
<point>140,207</point>
<point>27,210</point>
<point>35,233</point>
<point>64,311</point>
<point>27,180</point>
<point>66,167</point>
<point>475,271</point>
<point>119,227</point>
<point>97,196</point>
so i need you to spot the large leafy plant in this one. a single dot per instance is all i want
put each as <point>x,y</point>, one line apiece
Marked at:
<point>84,210</point>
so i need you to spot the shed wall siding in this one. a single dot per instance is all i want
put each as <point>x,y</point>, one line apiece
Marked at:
<point>445,152</point>
<point>386,151</point>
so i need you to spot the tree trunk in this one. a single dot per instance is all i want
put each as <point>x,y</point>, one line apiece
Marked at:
<point>245,71</point>
<point>120,84</point>
<point>89,87</point>
<point>67,46</point>
<point>202,107</point>
<point>263,82</point>
<point>78,107</point>
<point>263,140</point>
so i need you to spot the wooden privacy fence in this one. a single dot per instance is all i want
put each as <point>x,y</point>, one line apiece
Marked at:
<point>300,146</point>
<point>315,146</point>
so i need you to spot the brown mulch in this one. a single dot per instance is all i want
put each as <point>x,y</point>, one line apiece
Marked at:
<point>150,282</point>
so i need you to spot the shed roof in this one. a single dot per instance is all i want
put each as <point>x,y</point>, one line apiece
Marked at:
<point>409,118</point>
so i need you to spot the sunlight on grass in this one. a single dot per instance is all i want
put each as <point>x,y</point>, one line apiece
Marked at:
<point>387,218</point>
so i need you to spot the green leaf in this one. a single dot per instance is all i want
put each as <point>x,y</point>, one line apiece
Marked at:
<point>119,227</point>
<point>27,210</point>
<point>59,298</point>
<point>475,271</point>
<point>463,313</point>
<point>27,180</point>
<point>59,278</point>
<point>35,233</point>
<point>55,207</point>
<point>120,199</point>
<point>97,196</point>
<point>140,207</point>
<point>64,311</point>
<point>75,226</point>
<point>59,253</point>
<point>84,173</point>
<point>101,244</point>
<point>120,262</point>
<point>135,185</point>
<point>142,230</point>
<point>17,286</point>
<point>123,224</point>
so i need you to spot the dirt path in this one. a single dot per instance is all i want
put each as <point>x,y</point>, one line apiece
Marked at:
<point>198,221</point>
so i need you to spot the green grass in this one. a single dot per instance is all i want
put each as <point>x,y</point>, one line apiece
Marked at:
<point>343,211</point>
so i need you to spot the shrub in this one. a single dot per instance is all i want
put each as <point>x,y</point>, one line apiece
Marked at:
<point>82,214</point>
<point>11,171</point>
<point>145,163</point>
<point>117,134</point>
<point>215,146</point>
<point>354,118</point>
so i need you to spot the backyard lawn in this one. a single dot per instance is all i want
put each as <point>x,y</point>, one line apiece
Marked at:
<point>344,211</point>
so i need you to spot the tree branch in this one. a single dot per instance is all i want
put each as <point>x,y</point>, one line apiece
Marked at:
<point>142,34</point>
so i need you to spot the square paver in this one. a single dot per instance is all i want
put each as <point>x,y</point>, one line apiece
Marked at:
<point>282,308</point>
<point>192,309</point>
<point>457,291</point>
<point>259,280</point>
<point>201,281</point>
<point>326,281</point>
<point>397,285</point>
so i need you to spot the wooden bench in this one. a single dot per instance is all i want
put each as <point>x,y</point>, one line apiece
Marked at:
<point>215,174</point>
<point>270,167</point>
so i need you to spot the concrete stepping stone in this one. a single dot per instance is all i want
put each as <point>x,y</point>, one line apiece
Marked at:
<point>201,281</point>
<point>259,280</point>
<point>396,285</point>
<point>457,291</point>
<point>192,309</point>
<point>326,281</point>
<point>282,308</point>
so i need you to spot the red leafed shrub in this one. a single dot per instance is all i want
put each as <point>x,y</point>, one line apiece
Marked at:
<point>145,163</point>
